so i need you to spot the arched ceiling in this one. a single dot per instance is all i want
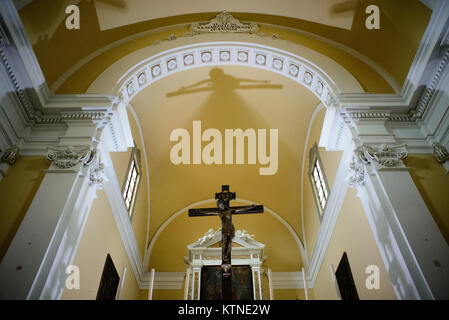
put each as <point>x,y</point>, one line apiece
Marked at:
<point>227,103</point>
<point>74,59</point>
<point>316,24</point>
<point>281,249</point>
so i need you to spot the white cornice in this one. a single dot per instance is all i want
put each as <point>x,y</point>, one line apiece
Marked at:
<point>430,62</point>
<point>29,109</point>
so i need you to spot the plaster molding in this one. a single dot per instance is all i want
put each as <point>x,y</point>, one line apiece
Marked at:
<point>357,173</point>
<point>423,105</point>
<point>66,157</point>
<point>440,153</point>
<point>97,175</point>
<point>203,253</point>
<point>431,52</point>
<point>8,158</point>
<point>10,155</point>
<point>211,237</point>
<point>383,156</point>
<point>219,53</point>
<point>367,158</point>
<point>33,118</point>
<point>223,22</point>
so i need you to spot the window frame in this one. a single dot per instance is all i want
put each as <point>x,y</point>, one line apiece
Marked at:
<point>314,157</point>
<point>134,162</point>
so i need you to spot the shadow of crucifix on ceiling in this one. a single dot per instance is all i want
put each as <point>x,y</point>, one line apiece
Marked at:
<point>220,81</point>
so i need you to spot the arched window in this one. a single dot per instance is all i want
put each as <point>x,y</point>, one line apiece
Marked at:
<point>131,183</point>
<point>318,180</point>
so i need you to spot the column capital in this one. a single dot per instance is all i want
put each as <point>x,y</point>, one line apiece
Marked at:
<point>357,173</point>
<point>440,153</point>
<point>382,156</point>
<point>97,174</point>
<point>369,158</point>
<point>10,155</point>
<point>67,157</point>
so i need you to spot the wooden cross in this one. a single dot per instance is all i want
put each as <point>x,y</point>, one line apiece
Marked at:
<point>225,212</point>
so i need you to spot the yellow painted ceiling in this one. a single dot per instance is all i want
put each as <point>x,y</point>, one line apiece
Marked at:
<point>393,47</point>
<point>280,104</point>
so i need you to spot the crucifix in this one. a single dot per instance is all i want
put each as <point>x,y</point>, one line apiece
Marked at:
<point>225,212</point>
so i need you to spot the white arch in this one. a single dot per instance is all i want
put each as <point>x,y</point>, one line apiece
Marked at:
<point>147,181</point>
<point>318,108</point>
<point>227,53</point>
<point>202,202</point>
<point>134,72</point>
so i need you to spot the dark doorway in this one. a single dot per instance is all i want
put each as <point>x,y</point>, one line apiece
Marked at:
<point>345,281</point>
<point>109,281</point>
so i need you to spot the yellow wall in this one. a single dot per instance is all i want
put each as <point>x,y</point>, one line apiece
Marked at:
<point>330,162</point>
<point>100,237</point>
<point>17,190</point>
<point>168,294</point>
<point>432,181</point>
<point>120,161</point>
<point>290,294</point>
<point>353,235</point>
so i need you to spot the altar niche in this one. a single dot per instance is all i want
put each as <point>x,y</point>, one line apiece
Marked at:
<point>212,153</point>
<point>247,259</point>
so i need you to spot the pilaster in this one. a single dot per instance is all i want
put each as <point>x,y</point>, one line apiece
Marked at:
<point>412,247</point>
<point>45,243</point>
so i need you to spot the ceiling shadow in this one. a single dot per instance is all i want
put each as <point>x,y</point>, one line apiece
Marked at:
<point>219,81</point>
<point>224,107</point>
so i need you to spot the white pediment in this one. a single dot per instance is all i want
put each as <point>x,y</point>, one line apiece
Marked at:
<point>242,238</point>
<point>207,249</point>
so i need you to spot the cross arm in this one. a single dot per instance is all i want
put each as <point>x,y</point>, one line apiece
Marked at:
<point>248,209</point>
<point>203,212</point>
